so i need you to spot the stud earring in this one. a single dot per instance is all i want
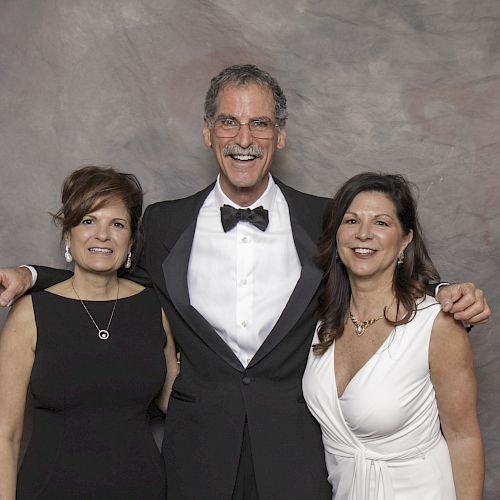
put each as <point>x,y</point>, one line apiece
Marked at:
<point>128,262</point>
<point>67,255</point>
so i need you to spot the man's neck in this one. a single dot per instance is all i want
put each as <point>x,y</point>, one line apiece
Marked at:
<point>244,197</point>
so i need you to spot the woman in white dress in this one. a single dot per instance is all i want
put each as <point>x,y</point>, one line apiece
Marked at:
<point>389,373</point>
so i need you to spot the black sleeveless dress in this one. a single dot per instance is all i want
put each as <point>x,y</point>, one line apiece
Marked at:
<point>91,438</point>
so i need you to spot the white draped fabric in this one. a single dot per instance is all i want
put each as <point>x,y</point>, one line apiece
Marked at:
<point>382,437</point>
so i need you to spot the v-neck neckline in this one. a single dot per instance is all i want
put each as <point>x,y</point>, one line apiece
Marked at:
<point>391,334</point>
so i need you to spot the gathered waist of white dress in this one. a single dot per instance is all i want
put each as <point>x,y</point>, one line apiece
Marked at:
<point>370,477</point>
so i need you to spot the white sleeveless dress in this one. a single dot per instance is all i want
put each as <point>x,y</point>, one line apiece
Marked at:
<point>382,437</point>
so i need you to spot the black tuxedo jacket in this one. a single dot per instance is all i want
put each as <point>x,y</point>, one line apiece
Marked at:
<point>214,395</point>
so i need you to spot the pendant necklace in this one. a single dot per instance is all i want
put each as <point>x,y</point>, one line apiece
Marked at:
<point>361,326</point>
<point>103,334</point>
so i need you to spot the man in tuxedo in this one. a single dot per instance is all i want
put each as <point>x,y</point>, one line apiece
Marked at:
<point>233,266</point>
<point>240,294</point>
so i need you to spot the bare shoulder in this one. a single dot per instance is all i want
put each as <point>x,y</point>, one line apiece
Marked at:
<point>22,310</point>
<point>449,340</point>
<point>129,288</point>
<point>20,324</point>
<point>445,325</point>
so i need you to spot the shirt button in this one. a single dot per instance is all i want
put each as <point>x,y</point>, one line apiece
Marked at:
<point>244,324</point>
<point>244,239</point>
<point>246,380</point>
<point>243,282</point>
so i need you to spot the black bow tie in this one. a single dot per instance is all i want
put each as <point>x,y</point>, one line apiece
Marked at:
<point>230,216</point>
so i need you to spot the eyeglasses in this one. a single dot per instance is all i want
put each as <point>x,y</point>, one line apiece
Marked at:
<point>260,128</point>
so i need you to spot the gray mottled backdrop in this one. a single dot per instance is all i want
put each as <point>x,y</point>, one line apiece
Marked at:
<point>409,86</point>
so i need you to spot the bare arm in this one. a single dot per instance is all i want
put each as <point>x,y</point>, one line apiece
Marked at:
<point>465,301</point>
<point>452,374</point>
<point>172,366</point>
<point>17,353</point>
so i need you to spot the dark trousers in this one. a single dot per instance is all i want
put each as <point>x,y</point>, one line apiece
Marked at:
<point>245,487</point>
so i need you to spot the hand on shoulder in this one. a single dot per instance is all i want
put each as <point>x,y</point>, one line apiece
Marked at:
<point>14,281</point>
<point>465,301</point>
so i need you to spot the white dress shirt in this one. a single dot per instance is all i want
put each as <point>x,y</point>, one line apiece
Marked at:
<point>240,281</point>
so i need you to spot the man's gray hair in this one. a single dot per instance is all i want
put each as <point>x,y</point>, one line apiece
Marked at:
<point>239,75</point>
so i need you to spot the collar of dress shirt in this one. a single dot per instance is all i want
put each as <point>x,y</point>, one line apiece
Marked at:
<point>266,199</point>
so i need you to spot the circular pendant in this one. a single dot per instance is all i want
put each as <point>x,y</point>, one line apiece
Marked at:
<point>103,334</point>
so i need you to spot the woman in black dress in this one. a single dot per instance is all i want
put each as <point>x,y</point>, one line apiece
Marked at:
<point>95,351</point>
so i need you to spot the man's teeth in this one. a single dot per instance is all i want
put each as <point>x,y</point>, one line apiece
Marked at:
<point>243,157</point>
<point>100,250</point>
<point>363,250</point>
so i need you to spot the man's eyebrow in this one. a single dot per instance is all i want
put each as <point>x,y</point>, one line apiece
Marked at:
<point>225,115</point>
<point>232,117</point>
<point>266,118</point>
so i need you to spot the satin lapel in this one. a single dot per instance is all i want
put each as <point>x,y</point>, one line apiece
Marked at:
<point>306,287</point>
<point>175,268</point>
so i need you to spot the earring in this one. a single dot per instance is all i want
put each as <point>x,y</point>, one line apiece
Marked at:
<point>401,258</point>
<point>128,262</point>
<point>337,258</point>
<point>67,255</point>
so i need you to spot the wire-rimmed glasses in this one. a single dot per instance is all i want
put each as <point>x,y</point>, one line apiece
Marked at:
<point>260,128</point>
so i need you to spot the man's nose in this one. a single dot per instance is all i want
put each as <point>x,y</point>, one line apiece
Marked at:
<point>244,137</point>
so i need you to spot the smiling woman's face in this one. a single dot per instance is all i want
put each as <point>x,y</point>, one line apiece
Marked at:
<point>101,241</point>
<point>370,237</point>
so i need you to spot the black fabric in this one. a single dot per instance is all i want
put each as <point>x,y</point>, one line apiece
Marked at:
<point>230,216</point>
<point>245,487</point>
<point>91,437</point>
<point>215,394</point>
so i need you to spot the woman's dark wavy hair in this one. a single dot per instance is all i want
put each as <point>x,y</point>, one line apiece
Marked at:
<point>410,278</point>
<point>92,187</point>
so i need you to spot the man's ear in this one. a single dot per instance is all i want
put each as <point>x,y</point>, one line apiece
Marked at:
<point>280,143</point>
<point>207,135</point>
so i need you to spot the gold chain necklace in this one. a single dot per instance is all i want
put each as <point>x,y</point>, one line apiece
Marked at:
<point>102,333</point>
<point>361,326</point>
